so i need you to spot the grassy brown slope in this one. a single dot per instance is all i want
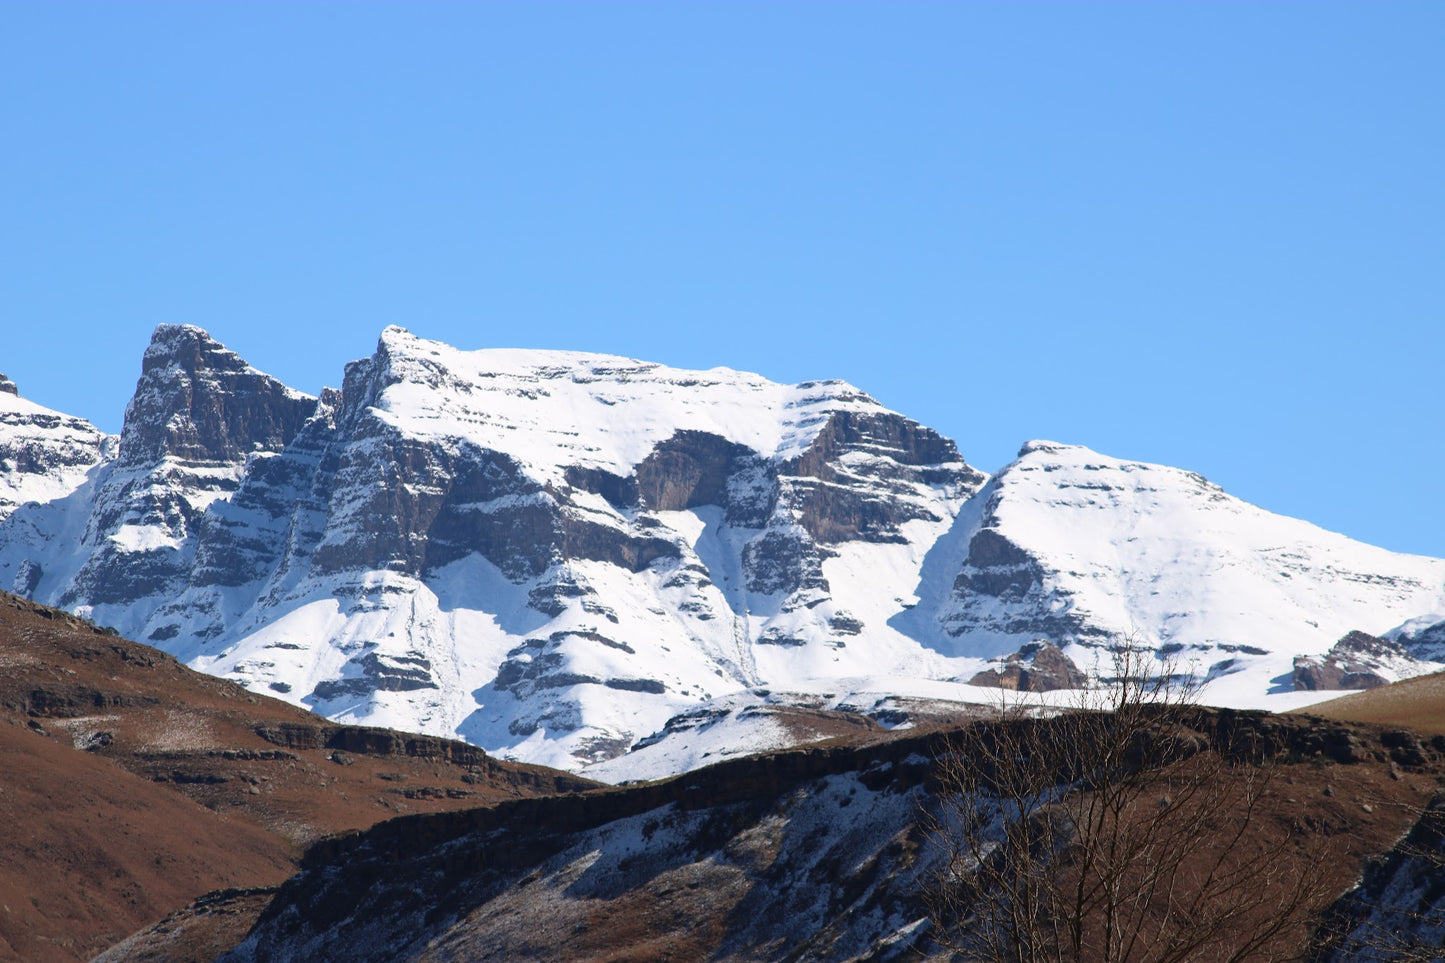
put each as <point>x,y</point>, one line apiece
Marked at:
<point>1417,704</point>
<point>89,853</point>
<point>130,785</point>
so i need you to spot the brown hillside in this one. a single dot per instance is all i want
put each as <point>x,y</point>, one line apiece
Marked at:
<point>1417,704</point>
<point>130,785</point>
<point>814,853</point>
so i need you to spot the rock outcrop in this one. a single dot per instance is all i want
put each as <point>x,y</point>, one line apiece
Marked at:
<point>1423,638</point>
<point>1039,666</point>
<point>1357,661</point>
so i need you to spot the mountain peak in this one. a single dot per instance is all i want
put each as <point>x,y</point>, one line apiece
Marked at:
<point>196,398</point>
<point>1038,444</point>
<point>394,337</point>
<point>190,348</point>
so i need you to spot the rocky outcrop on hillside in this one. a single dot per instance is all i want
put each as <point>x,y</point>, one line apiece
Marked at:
<point>1424,638</point>
<point>1357,661</point>
<point>199,403</point>
<point>1039,666</point>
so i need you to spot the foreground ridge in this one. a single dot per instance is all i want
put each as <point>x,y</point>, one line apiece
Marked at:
<point>816,853</point>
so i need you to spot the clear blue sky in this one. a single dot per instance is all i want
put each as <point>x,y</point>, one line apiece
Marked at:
<point>1209,234</point>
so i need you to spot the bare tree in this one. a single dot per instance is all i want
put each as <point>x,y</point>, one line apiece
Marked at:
<point>1114,831</point>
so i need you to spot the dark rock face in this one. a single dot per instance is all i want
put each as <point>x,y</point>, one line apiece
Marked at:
<point>1037,667</point>
<point>427,503</point>
<point>7,386</point>
<point>585,538</point>
<point>1001,588</point>
<point>198,401</point>
<point>621,493</point>
<point>1427,643</point>
<point>550,595</point>
<point>783,562</point>
<point>539,664</point>
<point>852,482</point>
<point>1354,662</point>
<point>689,470</point>
<point>280,506</point>
<point>379,673</point>
<point>998,567</point>
<point>426,506</point>
<point>998,571</point>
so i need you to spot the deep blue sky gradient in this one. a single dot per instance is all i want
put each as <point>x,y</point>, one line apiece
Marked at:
<point>1209,234</point>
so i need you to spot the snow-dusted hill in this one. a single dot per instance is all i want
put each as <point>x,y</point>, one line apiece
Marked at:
<point>44,455</point>
<point>553,554</point>
<point>1073,546</point>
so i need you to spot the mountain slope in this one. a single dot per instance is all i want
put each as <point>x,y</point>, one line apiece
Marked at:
<point>44,456</point>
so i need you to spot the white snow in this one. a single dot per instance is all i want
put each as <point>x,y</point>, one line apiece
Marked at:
<point>1162,556</point>
<point>551,409</point>
<point>44,455</point>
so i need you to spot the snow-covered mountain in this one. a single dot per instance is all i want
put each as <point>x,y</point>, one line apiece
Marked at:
<point>554,554</point>
<point>1079,548</point>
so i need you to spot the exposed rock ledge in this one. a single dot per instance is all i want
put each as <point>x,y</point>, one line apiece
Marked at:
<point>1039,666</point>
